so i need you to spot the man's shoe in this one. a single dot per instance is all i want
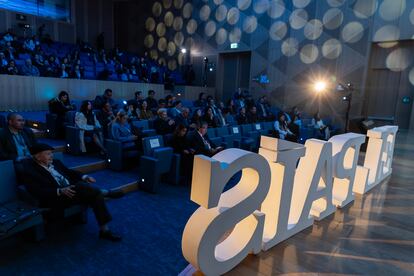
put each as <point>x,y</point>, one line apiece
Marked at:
<point>115,193</point>
<point>108,235</point>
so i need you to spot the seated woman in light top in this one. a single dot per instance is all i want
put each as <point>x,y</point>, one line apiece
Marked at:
<point>121,131</point>
<point>317,123</point>
<point>90,126</point>
<point>281,126</point>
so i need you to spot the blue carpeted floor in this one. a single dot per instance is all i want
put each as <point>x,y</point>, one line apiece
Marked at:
<point>151,226</point>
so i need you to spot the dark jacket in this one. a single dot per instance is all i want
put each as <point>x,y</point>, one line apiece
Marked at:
<point>196,143</point>
<point>41,184</point>
<point>8,149</point>
<point>179,119</point>
<point>162,127</point>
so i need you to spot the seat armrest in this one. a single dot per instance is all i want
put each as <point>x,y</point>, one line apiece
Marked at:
<point>25,196</point>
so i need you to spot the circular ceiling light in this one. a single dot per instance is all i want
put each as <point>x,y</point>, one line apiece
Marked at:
<point>250,24</point>
<point>365,8</point>
<point>333,18</point>
<point>235,35</point>
<point>392,9</point>
<point>243,4</point>
<point>233,16</point>
<point>191,26</point>
<point>298,19</point>
<point>221,13</point>
<point>276,8</point>
<point>309,53</point>
<point>278,30</point>
<point>332,49</point>
<point>290,47</point>
<point>352,32</point>
<point>156,9</point>
<point>313,29</point>
<point>210,28</point>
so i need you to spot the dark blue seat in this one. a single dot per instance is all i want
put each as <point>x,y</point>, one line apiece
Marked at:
<point>16,215</point>
<point>240,141</point>
<point>251,131</point>
<point>157,161</point>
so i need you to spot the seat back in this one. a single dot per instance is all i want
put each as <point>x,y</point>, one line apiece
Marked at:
<point>257,126</point>
<point>70,118</point>
<point>222,131</point>
<point>143,124</point>
<point>211,132</point>
<point>149,144</point>
<point>246,129</point>
<point>267,126</point>
<point>235,131</point>
<point>8,184</point>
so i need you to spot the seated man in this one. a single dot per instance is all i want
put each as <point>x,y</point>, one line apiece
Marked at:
<point>201,144</point>
<point>15,139</point>
<point>163,125</point>
<point>106,97</point>
<point>56,187</point>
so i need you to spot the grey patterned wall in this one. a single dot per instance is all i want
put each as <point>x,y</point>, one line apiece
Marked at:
<point>294,42</point>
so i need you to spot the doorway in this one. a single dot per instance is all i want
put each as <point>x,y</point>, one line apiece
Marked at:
<point>234,72</point>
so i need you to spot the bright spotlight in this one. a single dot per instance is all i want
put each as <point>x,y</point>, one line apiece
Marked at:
<point>183,50</point>
<point>319,86</point>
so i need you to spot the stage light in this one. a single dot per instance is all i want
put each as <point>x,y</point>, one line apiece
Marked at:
<point>211,69</point>
<point>319,86</point>
<point>183,50</point>
<point>124,102</point>
<point>179,94</point>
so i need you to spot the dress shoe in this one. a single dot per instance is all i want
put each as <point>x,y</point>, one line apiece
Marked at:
<point>108,235</point>
<point>115,193</point>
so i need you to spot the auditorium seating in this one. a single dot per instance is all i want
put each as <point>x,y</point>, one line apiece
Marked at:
<point>16,215</point>
<point>157,161</point>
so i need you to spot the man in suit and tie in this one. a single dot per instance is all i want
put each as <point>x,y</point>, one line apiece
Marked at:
<point>15,139</point>
<point>57,187</point>
<point>200,142</point>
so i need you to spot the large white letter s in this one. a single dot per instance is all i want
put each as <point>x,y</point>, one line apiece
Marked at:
<point>235,209</point>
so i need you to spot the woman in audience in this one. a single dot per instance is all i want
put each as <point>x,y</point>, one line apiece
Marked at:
<point>232,107</point>
<point>209,117</point>
<point>121,131</point>
<point>242,117</point>
<point>197,117</point>
<point>12,68</point>
<point>282,129</point>
<point>145,113</point>
<point>60,106</point>
<point>201,102</point>
<point>90,127</point>
<point>318,124</point>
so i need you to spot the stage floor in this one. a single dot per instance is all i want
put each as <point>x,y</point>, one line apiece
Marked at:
<point>374,235</point>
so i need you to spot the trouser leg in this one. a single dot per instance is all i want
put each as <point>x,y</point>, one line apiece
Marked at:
<point>93,197</point>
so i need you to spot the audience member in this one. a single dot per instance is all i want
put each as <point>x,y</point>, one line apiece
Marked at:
<point>281,127</point>
<point>90,127</point>
<point>200,142</point>
<point>252,116</point>
<point>11,69</point>
<point>318,124</point>
<point>184,119</point>
<point>30,70</point>
<point>151,101</point>
<point>176,110</point>
<point>121,131</point>
<point>106,97</point>
<point>136,102</point>
<point>201,102</point>
<point>197,117</point>
<point>15,139</point>
<point>60,106</point>
<point>145,113</point>
<point>263,109</point>
<point>163,125</point>
<point>58,187</point>
<point>241,118</point>
<point>105,118</point>
<point>209,117</point>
